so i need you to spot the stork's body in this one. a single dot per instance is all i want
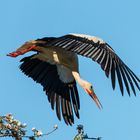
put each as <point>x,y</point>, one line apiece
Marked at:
<point>59,57</point>
<point>55,67</point>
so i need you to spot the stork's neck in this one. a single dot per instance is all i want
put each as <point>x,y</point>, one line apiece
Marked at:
<point>79,79</point>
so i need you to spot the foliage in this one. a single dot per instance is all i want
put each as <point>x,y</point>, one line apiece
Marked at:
<point>10,127</point>
<point>82,136</point>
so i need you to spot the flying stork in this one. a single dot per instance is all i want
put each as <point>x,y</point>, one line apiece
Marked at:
<point>55,67</point>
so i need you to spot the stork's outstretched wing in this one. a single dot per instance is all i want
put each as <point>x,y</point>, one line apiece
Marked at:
<point>62,95</point>
<point>99,51</point>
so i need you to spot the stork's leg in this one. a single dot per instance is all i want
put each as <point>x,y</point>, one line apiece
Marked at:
<point>21,52</point>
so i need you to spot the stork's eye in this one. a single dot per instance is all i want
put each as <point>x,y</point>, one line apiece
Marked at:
<point>91,87</point>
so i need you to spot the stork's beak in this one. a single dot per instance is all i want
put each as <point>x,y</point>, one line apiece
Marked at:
<point>28,46</point>
<point>94,97</point>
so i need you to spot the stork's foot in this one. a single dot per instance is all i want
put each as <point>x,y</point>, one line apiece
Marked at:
<point>15,54</point>
<point>22,51</point>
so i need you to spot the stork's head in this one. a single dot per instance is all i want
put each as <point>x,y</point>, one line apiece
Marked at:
<point>89,89</point>
<point>26,47</point>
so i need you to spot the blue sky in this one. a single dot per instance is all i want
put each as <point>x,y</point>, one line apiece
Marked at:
<point>117,22</point>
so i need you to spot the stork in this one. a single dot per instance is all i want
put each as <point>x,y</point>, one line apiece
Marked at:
<point>55,67</point>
